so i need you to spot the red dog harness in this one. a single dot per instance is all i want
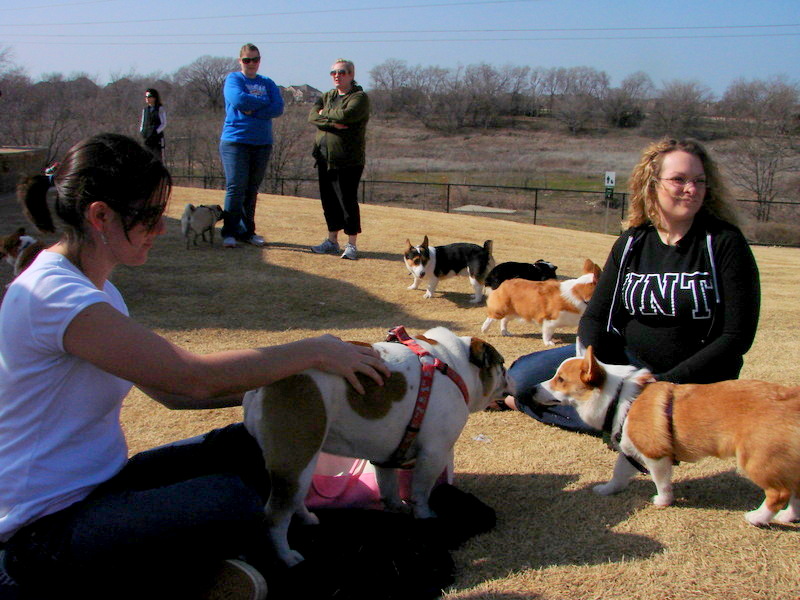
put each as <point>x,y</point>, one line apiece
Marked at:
<point>429,364</point>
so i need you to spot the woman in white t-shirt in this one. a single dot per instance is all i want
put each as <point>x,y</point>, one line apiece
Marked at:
<point>74,511</point>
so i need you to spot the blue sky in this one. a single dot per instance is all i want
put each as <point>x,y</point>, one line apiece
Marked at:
<point>713,42</point>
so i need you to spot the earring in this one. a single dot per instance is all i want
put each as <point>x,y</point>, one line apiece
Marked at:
<point>103,237</point>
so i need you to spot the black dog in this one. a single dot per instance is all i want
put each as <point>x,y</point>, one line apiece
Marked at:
<point>538,271</point>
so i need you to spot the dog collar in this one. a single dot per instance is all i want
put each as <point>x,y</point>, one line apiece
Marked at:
<point>429,364</point>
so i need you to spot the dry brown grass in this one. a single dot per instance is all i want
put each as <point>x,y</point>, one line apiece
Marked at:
<point>554,538</point>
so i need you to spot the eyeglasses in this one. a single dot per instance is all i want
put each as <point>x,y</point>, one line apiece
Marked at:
<point>247,61</point>
<point>681,182</point>
<point>338,72</point>
<point>149,96</point>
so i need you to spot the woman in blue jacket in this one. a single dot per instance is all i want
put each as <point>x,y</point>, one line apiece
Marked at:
<point>251,102</point>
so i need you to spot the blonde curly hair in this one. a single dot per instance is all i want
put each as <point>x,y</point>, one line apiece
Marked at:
<point>643,206</point>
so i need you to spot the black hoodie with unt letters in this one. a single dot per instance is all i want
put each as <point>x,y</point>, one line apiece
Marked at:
<point>686,312</point>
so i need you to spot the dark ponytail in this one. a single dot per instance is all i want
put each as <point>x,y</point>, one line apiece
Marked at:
<point>32,196</point>
<point>108,167</point>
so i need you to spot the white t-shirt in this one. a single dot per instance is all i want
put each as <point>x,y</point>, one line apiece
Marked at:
<point>60,433</point>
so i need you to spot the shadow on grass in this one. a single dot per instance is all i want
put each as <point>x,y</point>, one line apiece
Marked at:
<point>201,284</point>
<point>556,527</point>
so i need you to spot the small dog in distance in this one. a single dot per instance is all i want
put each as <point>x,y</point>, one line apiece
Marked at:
<point>197,220</point>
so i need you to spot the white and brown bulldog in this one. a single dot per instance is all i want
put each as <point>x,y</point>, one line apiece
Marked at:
<point>296,418</point>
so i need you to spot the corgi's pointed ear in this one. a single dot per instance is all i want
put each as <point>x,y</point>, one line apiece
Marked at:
<point>408,242</point>
<point>425,242</point>
<point>592,372</point>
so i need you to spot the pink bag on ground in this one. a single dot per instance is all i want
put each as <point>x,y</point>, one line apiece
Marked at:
<point>344,482</point>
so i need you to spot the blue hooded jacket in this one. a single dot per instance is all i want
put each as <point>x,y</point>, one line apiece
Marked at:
<point>250,106</point>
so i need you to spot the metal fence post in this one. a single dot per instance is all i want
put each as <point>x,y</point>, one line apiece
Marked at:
<point>447,209</point>
<point>535,203</point>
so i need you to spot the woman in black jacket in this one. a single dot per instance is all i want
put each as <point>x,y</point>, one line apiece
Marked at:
<point>679,294</point>
<point>154,120</point>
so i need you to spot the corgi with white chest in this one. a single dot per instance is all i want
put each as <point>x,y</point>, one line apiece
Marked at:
<point>657,423</point>
<point>550,303</point>
<point>433,263</point>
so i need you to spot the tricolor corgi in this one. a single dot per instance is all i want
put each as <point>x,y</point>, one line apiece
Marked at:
<point>550,303</point>
<point>441,262</point>
<point>19,250</point>
<point>657,423</point>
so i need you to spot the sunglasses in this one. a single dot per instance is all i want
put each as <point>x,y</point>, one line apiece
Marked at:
<point>149,96</point>
<point>338,72</point>
<point>247,61</point>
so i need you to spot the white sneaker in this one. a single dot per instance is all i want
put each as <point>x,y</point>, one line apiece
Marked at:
<point>230,242</point>
<point>236,580</point>
<point>256,240</point>
<point>350,252</point>
<point>326,247</point>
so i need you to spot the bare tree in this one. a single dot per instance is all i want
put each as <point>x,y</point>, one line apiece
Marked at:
<point>763,118</point>
<point>206,77</point>
<point>291,149</point>
<point>625,106</point>
<point>583,89</point>
<point>680,107</point>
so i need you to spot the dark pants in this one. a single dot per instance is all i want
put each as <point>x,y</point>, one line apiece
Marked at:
<point>155,143</point>
<point>245,166</point>
<point>154,530</point>
<point>338,190</point>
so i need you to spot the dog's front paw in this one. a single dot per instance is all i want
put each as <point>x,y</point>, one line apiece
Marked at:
<point>760,517</point>
<point>476,300</point>
<point>663,499</point>
<point>413,286</point>
<point>308,518</point>
<point>548,342</point>
<point>787,515</point>
<point>505,332</point>
<point>428,294</point>
<point>606,489</point>
<point>395,504</point>
<point>291,558</point>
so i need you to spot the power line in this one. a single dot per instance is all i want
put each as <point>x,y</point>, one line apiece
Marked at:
<point>432,40</point>
<point>415,31</point>
<point>29,8</point>
<point>274,14</point>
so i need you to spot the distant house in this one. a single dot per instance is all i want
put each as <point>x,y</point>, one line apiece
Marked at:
<point>303,93</point>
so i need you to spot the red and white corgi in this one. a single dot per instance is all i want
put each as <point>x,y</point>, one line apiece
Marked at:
<point>440,262</point>
<point>550,303</point>
<point>19,250</point>
<point>657,423</point>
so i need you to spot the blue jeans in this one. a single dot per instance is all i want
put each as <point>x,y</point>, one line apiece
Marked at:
<point>162,523</point>
<point>529,371</point>
<point>244,166</point>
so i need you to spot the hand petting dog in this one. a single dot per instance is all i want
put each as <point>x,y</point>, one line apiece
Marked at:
<point>346,359</point>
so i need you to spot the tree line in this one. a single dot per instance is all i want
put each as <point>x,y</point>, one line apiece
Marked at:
<point>761,117</point>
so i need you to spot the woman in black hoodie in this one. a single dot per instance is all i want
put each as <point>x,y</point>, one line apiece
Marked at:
<point>679,294</point>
